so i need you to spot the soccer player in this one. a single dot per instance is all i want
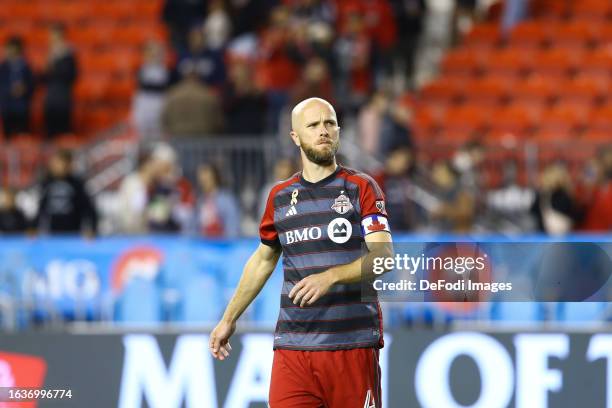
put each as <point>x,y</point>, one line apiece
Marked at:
<point>327,338</point>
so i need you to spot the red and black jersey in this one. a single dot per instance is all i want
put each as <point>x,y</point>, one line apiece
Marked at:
<point>318,226</point>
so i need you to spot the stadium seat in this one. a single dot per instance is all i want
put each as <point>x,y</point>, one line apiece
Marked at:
<point>516,120</point>
<point>462,61</point>
<point>596,135</point>
<point>531,34</point>
<point>557,61</point>
<point>490,90</point>
<point>509,60</point>
<point>598,61</point>
<point>601,119</point>
<point>483,36</point>
<point>446,90</point>
<point>591,9</point>
<point>462,123</point>
<point>535,89</point>
<point>585,88</point>
<point>565,116</point>
<point>575,33</point>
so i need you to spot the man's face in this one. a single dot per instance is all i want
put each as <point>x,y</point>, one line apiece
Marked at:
<point>318,133</point>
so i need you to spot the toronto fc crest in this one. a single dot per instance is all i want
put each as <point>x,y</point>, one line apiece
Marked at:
<point>342,204</point>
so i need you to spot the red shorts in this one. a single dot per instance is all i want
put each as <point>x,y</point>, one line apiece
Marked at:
<point>325,379</point>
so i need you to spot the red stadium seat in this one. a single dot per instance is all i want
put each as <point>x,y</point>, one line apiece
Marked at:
<point>536,89</point>
<point>510,60</point>
<point>445,90</point>
<point>586,88</point>
<point>592,9</point>
<point>597,135</point>
<point>565,117</point>
<point>490,90</point>
<point>598,61</point>
<point>530,34</point>
<point>515,120</point>
<point>580,33</point>
<point>462,62</point>
<point>552,9</point>
<point>464,122</point>
<point>557,61</point>
<point>483,36</point>
<point>600,119</point>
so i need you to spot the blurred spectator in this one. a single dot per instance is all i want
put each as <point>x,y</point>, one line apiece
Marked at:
<point>60,76</point>
<point>314,11</point>
<point>278,66</point>
<point>192,109</point>
<point>510,203</point>
<point>456,210</point>
<point>217,26</point>
<point>355,55</point>
<point>464,15</point>
<point>370,122</point>
<point>554,207</point>
<point>148,102</point>
<point>171,197</point>
<point>65,206</point>
<point>283,169</point>
<point>468,162</point>
<point>207,63</point>
<point>243,102</point>
<point>397,181</point>
<point>396,128</point>
<point>16,88</point>
<point>598,215</point>
<point>514,12</point>
<point>218,214</point>
<point>12,219</point>
<point>409,18</point>
<point>180,16</point>
<point>132,196</point>
<point>315,82</point>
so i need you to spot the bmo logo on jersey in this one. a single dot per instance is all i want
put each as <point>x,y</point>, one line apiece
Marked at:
<point>304,234</point>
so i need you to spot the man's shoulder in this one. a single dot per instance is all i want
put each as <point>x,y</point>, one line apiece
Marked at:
<point>357,176</point>
<point>279,186</point>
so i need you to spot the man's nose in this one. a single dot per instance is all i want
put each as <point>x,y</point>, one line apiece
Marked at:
<point>323,131</point>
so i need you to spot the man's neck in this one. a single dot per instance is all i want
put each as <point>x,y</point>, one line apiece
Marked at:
<point>314,172</point>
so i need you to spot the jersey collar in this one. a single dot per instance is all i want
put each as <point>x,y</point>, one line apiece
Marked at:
<point>323,181</point>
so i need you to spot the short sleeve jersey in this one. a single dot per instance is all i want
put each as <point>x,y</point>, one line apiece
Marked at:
<point>318,226</point>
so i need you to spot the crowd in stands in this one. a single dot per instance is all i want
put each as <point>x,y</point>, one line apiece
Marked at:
<point>423,196</point>
<point>236,69</point>
<point>18,82</point>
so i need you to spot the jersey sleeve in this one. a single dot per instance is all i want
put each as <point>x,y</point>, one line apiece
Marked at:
<point>373,212</point>
<point>267,231</point>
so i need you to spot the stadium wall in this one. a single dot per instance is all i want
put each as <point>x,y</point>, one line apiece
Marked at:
<point>419,369</point>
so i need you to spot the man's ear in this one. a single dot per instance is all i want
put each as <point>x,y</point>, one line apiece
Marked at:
<point>295,138</point>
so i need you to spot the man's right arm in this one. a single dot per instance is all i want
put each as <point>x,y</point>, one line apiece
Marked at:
<point>256,272</point>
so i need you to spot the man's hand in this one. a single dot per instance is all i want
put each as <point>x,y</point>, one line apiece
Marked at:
<point>219,339</point>
<point>311,288</point>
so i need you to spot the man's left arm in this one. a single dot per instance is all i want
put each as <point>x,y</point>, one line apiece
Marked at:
<point>313,287</point>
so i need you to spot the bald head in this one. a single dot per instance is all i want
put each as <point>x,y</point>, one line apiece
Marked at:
<point>297,114</point>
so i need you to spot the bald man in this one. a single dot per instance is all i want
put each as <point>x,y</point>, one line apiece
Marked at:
<point>327,339</point>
